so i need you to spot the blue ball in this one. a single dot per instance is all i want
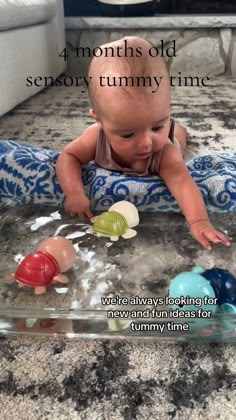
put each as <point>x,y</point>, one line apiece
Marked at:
<point>223,283</point>
<point>228,308</point>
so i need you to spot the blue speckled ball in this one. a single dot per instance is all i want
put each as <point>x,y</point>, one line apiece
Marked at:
<point>223,283</point>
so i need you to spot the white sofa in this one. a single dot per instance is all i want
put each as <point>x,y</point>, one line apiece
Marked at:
<point>32,35</point>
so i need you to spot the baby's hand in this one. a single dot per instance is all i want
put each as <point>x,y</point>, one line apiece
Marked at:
<point>204,232</point>
<point>78,204</point>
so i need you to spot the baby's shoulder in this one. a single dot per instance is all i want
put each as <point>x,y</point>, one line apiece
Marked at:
<point>171,160</point>
<point>171,152</point>
<point>84,146</point>
<point>90,136</point>
<point>93,130</point>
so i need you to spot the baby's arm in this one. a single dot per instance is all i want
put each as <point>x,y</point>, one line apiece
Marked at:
<point>175,174</point>
<point>69,174</point>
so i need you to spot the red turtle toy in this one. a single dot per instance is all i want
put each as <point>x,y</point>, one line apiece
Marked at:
<point>54,256</point>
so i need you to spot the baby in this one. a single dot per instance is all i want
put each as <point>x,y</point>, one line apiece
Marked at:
<point>133,133</point>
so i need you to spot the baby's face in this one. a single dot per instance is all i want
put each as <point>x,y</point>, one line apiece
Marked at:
<point>136,126</point>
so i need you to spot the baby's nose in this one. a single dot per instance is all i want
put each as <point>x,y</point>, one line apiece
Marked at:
<point>145,141</point>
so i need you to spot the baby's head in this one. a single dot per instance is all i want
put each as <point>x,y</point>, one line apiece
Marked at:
<point>130,95</point>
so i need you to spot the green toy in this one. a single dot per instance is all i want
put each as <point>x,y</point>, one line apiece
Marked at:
<point>113,225</point>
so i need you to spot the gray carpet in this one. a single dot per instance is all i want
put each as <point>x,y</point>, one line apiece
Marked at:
<point>118,380</point>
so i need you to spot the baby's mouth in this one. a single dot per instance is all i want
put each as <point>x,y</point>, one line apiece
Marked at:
<point>143,155</point>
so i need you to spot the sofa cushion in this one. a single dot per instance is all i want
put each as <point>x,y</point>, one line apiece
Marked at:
<point>19,13</point>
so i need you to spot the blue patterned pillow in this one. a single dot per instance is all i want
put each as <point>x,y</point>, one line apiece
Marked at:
<point>27,175</point>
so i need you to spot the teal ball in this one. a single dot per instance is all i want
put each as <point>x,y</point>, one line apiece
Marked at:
<point>193,285</point>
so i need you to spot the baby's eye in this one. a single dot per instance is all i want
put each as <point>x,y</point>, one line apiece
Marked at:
<point>127,136</point>
<point>155,129</point>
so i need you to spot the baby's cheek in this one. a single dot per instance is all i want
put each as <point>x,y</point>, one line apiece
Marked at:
<point>160,142</point>
<point>128,148</point>
<point>121,147</point>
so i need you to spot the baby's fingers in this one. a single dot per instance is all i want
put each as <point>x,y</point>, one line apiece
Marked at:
<point>89,214</point>
<point>221,237</point>
<point>203,240</point>
<point>81,215</point>
<point>211,235</point>
<point>216,237</point>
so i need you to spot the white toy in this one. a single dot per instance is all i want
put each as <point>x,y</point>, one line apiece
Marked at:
<point>117,221</point>
<point>128,210</point>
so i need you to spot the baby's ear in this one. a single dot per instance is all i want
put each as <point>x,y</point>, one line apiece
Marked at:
<point>93,114</point>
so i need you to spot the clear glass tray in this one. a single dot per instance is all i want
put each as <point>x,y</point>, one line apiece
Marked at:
<point>139,267</point>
